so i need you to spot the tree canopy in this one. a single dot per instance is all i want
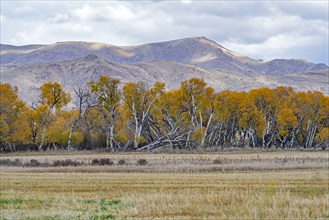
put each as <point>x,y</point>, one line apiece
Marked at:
<point>138,116</point>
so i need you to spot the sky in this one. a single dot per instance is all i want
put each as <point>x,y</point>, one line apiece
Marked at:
<point>259,29</point>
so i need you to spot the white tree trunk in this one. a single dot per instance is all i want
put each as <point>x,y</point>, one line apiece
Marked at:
<point>71,134</point>
<point>42,138</point>
<point>206,130</point>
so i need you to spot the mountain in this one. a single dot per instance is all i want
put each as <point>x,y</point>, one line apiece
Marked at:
<point>197,51</point>
<point>75,63</point>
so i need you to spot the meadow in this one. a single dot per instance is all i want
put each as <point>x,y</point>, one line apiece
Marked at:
<point>230,185</point>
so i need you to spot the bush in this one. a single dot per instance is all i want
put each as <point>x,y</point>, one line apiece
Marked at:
<point>5,162</point>
<point>122,162</point>
<point>142,162</point>
<point>105,161</point>
<point>33,163</point>
<point>102,162</point>
<point>66,163</point>
<point>95,162</point>
<point>217,161</point>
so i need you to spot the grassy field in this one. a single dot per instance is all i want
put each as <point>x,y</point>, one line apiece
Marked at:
<point>295,187</point>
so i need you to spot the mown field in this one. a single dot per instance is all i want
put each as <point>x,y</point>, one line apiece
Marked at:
<point>232,185</point>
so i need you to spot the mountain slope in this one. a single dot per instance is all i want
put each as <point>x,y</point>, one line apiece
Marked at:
<point>76,63</point>
<point>197,51</point>
<point>79,71</point>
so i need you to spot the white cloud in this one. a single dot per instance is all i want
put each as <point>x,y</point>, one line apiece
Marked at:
<point>85,12</point>
<point>120,13</point>
<point>2,19</point>
<point>59,18</point>
<point>186,1</point>
<point>273,47</point>
<point>23,37</point>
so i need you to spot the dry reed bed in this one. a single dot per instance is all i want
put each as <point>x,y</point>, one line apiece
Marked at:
<point>161,163</point>
<point>254,195</point>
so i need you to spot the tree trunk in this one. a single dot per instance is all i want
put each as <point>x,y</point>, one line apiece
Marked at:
<point>71,134</point>
<point>311,135</point>
<point>137,136</point>
<point>206,130</point>
<point>34,139</point>
<point>265,134</point>
<point>42,138</point>
<point>187,140</point>
<point>111,137</point>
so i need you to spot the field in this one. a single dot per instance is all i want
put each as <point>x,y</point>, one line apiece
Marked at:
<point>231,185</point>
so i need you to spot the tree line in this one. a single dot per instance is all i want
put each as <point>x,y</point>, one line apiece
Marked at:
<point>135,116</point>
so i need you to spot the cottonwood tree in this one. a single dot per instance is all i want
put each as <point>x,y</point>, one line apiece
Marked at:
<point>13,129</point>
<point>317,117</point>
<point>186,117</point>
<point>287,122</point>
<point>35,118</point>
<point>168,122</point>
<point>52,97</point>
<point>83,103</point>
<point>139,99</point>
<point>108,96</point>
<point>193,99</point>
<point>265,101</point>
<point>60,129</point>
<point>251,122</point>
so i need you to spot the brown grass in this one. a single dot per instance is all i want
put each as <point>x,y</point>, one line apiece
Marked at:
<point>173,163</point>
<point>255,195</point>
<point>240,185</point>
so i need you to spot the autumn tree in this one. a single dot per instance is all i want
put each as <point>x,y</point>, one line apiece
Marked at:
<point>197,100</point>
<point>168,123</point>
<point>108,96</point>
<point>52,97</point>
<point>139,99</point>
<point>12,127</point>
<point>60,128</point>
<point>189,116</point>
<point>265,100</point>
<point>83,103</point>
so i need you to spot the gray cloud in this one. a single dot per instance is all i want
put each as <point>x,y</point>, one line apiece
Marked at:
<point>260,29</point>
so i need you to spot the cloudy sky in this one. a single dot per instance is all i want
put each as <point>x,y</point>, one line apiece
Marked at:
<point>259,29</point>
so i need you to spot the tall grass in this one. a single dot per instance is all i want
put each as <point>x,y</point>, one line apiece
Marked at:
<point>251,195</point>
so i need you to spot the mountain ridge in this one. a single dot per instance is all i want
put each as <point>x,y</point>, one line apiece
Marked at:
<point>76,63</point>
<point>199,51</point>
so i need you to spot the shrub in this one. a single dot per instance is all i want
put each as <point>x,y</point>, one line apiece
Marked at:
<point>217,161</point>
<point>142,162</point>
<point>33,163</point>
<point>95,162</point>
<point>122,162</point>
<point>66,163</point>
<point>17,162</point>
<point>102,162</point>
<point>105,161</point>
<point>5,162</point>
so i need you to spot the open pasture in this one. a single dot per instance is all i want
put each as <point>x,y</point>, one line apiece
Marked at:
<point>124,192</point>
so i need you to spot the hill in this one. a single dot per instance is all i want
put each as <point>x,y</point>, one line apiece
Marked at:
<point>75,63</point>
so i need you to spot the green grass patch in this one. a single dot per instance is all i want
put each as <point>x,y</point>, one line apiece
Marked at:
<point>104,204</point>
<point>11,201</point>
<point>97,216</point>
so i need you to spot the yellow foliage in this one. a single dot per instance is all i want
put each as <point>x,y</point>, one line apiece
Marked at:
<point>286,121</point>
<point>120,137</point>
<point>323,135</point>
<point>53,95</point>
<point>13,128</point>
<point>198,134</point>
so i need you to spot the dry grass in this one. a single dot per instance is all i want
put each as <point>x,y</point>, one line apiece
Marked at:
<point>173,163</point>
<point>287,185</point>
<point>255,195</point>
